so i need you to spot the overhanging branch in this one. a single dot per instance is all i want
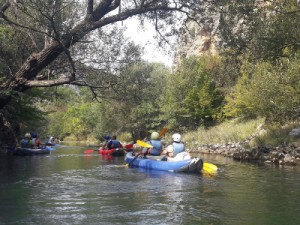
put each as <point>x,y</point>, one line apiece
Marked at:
<point>49,83</point>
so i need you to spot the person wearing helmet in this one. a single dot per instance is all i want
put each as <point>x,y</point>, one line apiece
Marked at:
<point>26,142</point>
<point>107,139</point>
<point>156,143</point>
<point>114,143</point>
<point>176,150</point>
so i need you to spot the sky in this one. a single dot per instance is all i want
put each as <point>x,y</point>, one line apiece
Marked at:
<point>145,38</point>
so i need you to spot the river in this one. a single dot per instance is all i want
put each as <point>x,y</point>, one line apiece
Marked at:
<point>69,187</point>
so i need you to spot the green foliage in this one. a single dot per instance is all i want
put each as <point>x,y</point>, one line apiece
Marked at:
<point>24,113</point>
<point>191,98</point>
<point>134,105</point>
<point>263,91</point>
<point>8,47</point>
<point>138,96</point>
<point>278,33</point>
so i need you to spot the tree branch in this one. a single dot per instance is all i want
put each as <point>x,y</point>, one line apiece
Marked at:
<point>90,7</point>
<point>133,12</point>
<point>104,7</point>
<point>49,83</point>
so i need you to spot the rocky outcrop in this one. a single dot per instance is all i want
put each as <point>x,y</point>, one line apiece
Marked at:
<point>209,33</point>
<point>199,38</point>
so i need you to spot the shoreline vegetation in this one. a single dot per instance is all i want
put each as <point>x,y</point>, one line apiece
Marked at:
<point>243,140</point>
<point>249,141</point>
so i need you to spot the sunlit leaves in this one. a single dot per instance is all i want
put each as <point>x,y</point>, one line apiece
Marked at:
<point>267,90</point>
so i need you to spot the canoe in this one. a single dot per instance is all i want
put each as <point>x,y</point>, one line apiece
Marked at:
<point>28,151</point>
<point>193,165</point>
<point>113,152</point>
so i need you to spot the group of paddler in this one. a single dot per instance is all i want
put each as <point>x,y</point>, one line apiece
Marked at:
<point>175,151</point>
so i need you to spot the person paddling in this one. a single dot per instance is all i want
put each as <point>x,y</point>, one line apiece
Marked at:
<point>26,142</point>
<point>107,139</point>
<point>176,150</point>
<point>114,143</point>
<point>36,140</point>
<point>156,143</point>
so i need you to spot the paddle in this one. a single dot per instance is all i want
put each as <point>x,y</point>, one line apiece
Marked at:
<point>209,168</point>
<point>163,132</point>
<point>142,144</point>
<point>89,151</point>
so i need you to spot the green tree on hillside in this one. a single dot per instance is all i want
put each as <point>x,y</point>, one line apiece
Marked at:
<point>191,98</point>
<point>269,85</point>
<point>268,90</point>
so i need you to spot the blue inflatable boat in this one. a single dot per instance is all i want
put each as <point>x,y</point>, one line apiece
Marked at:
<point>29,151</point>
<point>193,165</point>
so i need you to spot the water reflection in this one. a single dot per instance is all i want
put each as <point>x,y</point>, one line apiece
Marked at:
<point>68,187</point>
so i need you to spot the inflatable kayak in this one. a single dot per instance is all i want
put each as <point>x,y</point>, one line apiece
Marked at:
<point>113,152</point>
<point>193,165</point>
<point>28,151</point>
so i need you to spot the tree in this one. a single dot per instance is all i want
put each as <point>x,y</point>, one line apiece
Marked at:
<point>192,98</point>
<point>267,90</point>
<point>136,100</point>
<point>50,37</point>
<point>54,27</point>
<point>278,33</point>
<point>270,71</point>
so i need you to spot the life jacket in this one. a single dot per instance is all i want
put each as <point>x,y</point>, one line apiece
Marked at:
<point>25,143</point>
<point>114,144</point>
<point>177,148</point>
<point>36,142</point>
<point>157,147</point>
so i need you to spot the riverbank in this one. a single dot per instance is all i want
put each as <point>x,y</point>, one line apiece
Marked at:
<point>281,155</point>
<point>243,138</point>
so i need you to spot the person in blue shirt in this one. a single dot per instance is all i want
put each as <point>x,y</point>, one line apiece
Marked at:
<point>107,139</point>
<point>114,143</point>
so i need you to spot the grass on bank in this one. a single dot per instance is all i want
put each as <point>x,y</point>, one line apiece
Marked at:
<point>239,131</point>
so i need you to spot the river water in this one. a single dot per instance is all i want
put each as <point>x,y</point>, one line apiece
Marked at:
<point>68,187</point>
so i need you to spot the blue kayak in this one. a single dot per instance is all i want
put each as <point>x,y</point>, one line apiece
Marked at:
<point>28,151</point>
<point>194,165</point>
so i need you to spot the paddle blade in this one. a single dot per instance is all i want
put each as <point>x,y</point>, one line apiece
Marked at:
<point>143,144</point>
<point>89,151</point>
<point>163,132</point>
<point>209,168</point>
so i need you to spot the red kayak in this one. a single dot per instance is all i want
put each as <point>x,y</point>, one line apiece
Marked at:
<point>113,152</point>
<point>106,151</point>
